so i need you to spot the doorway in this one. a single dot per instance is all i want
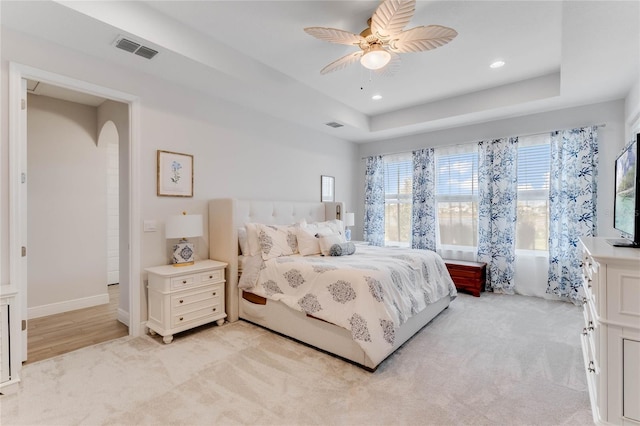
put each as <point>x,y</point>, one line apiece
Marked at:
<point>129,206</point>
<point>73,219</point>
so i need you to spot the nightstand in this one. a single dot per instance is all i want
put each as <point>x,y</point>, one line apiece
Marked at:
<point>183,297</point>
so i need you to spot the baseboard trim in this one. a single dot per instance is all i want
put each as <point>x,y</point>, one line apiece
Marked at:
<point>67,305</point>
<point>123,316</point>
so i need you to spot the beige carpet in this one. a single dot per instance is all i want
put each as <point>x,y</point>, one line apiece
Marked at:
<point>493,360</point>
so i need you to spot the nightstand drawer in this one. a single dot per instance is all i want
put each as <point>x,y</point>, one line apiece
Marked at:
<point>209,311</point>
<point>184,281</point>
<point>188,298</point>
<point>197,279</point>
<point>212,277</point>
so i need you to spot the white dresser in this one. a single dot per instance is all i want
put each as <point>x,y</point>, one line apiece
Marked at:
<point>611,333</point>
<point>183,297</point>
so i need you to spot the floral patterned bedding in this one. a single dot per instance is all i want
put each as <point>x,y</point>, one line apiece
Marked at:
<point>371,293</point>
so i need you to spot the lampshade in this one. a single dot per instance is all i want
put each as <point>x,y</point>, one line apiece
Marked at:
<point>375,58</point>
<point>184,226</point>
<point>349,219</point>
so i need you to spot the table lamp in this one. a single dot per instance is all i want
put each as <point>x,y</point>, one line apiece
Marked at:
<point>349,220</point>
<point>183,226</point>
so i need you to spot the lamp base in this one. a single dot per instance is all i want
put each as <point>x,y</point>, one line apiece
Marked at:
<point>183,254</point>
<point>183,264</point>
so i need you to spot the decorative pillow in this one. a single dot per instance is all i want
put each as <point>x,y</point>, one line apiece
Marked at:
<point>252,239</point>
<point>342,249</point>
<point>307,242</point>
<point>276,241</point>
<point>326,241</point>
<point>336,225</point>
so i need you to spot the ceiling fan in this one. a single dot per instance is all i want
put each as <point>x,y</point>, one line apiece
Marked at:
<point>384,38</point>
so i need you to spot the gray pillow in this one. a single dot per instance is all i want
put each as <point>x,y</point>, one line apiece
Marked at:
<point>342,249</point>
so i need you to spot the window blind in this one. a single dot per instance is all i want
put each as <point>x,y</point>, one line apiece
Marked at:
<point>534,158</point>
<point>457,174</point>
<point>398,176</point>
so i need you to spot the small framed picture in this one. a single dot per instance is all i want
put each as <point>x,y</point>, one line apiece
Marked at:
<point>175,174</point>
<point>327,188</point>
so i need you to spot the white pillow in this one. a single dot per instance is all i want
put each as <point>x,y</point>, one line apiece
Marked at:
<point>326,241</point>
<point>308,243</point>
<point>308,234</point>
<point>252,240</point>
<point>276,241</point>
<point>243,241</point>
<point>336,225</point>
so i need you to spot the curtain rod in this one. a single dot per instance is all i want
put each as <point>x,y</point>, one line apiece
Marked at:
<point>467,143</point>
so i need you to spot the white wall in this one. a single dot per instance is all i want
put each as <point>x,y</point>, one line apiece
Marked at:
<point>117,114</point>
<point>632,110</point>
<point>611,139</point>
<point>237,151</point>
<point>67,211</point>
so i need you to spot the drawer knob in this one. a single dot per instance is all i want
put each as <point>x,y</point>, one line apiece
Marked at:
<point>184,281</point>
<point>590,328</point>
<point>210,277</point>
<point>592,367</point>
<point>584,332</point>
<point>214,309</point>
<point>584,300</point>
<point>181,300</point>
<point>181,318</point>
<point>214,293</point>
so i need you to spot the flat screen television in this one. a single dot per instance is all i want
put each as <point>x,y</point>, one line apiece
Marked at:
<point>626,211</point>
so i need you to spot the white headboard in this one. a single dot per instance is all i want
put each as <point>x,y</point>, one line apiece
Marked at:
<point>226,215</point>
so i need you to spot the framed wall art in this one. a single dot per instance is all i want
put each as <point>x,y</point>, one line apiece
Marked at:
<point>175,174</point>
<point>327,188</point>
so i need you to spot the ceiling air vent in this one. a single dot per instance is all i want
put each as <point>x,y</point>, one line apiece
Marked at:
<point>146,52</point>
<point>133,47</point>
<point>334,124</point>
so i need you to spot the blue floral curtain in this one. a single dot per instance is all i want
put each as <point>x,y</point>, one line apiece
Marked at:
<point>374,201</point>
<point>497,191</point>
<point>572,206</point>
<point>423,216</point>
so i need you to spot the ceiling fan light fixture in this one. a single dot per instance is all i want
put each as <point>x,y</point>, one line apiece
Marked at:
<point>375,58</point>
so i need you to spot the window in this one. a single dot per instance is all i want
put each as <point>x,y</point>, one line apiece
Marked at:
<point>398,182</point>
<point>532,226</point>
<point>457,195</point>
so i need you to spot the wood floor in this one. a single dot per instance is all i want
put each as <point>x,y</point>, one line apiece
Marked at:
<point>68,331</point>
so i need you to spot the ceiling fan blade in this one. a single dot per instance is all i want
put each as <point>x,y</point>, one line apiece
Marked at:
<point>391,68</point>
<point>333,35</point>
<point>338,64</point>
<point>391,17</point>
<point>419,39</point>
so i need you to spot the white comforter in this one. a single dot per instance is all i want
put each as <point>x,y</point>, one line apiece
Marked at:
<point>370,293</point>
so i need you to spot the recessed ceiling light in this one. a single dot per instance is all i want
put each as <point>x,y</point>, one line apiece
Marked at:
<point>376,97</point>
<point>497,64</point>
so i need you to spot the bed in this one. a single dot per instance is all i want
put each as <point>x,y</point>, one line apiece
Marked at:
<point>278,312</point>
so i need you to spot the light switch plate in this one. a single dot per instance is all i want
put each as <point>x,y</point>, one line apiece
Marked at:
<point>150,226</point>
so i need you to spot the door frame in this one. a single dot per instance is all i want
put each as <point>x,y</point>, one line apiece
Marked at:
<point>17,223</point>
